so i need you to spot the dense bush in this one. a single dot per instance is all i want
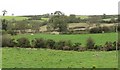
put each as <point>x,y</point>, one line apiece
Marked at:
<point>69,43</point>
<point>97,47</point>
<point>102,29</point>
<point>7,41</point>
<point>23,42</point>
<point>79,48</point>
<point>106,29</point>
<point>63,45</point>
<point>12,32</point>
<point>96,30</point>
<point>75,46</point>
<point>60,45</point>
<point>4,32</point>
<point>90,43</point>
<point>116,45</point>
<point>73,19</point>
<point>66,48</point>
<point>118,28</point>
<point>39,43</point>
<point>109,46</point>
<point>50,44</point>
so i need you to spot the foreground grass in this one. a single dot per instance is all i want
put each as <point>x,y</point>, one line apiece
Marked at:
<point>100,39</point>
<point>46,58</point>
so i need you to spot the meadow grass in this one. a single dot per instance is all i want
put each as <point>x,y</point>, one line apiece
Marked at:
<point>45,19</point>
<point>46,58</point>
<point>99,39</point>
<point>82,16</point>
<point>17,18</point>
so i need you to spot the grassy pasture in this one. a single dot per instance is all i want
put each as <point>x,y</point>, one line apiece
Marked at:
<point>99,39</point>
<point>13,17</point>
<point>45,19</point>
<point>82,16</point>
<point>46,58</point>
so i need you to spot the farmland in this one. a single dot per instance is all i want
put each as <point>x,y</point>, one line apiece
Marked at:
<point>46,58</point>
<point>99,39</point>
<point>82,16</point>
<point>20,18</point>
<point>44,41</point>
<point>14,17</point>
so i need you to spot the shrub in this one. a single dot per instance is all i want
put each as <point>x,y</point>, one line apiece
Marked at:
<point>59,45</point>
<point>50,44</point>
<point>96,30</point>
<point>75,46</point>
<point>96,47</point>
<point>90,43</point>
<point>7,41</point>
<point>99,48</point>
<point>23,42</point>
<point>39,43</point>
<point>69,43</point>
<point>4,32</point>
<point>114,45</point>
<point>79,48</point>
<point>109,46</point>
<point>118,28</point>
<point>12,32</point>
<point>106,29</point>
<point>63,44</point>
<point>66,48</point>
<point>82,49</point>
<point>118,44</point>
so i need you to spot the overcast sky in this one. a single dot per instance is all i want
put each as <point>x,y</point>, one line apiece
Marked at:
<point>78,7</point>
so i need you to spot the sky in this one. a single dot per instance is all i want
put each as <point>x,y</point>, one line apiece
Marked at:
<point>78,7</point>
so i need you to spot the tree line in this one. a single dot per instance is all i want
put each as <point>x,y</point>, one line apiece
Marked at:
<point>23,42</point>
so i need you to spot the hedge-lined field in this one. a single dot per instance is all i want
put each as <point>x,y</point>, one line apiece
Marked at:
<point>19,18</point>
<point>46,58</point>
<point>100,39</point>
<point>13,17</point>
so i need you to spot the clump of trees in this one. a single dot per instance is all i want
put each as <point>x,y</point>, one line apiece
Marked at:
<point>73,19</point>
<point>7,41</point>
<point>104,29</point>
<point>39,43</point>
<point>50,44</point>
<point>57,22</point>
<point>23,42</point>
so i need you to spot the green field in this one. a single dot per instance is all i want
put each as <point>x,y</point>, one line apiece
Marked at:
<point>46,58</point>
<point>99,39</point>
<point>17,18</point>
<point>82,16</point>
<point>45,19</point>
